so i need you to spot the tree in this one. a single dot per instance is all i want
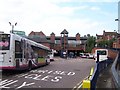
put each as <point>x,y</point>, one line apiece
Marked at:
<point>90,44</point>
<point>106,43</point>
<point>103,43</point>
<point>110,42</point>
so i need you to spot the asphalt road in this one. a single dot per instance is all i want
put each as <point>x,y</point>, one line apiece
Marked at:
<point>61,73</point>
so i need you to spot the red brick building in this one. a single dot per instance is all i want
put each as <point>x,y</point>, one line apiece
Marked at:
<point>60,43</point>
<point>116,44</point>
<point>106,36</point>
<point>109,36</point>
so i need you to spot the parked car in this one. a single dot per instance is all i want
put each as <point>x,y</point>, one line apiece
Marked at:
<point>90,56</point>
<point>83,55</point>
<point>72,55</point>
<point>51,55</point>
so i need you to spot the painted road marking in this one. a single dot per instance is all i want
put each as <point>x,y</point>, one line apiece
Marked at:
<point>6,84</point>
<point>35,75</point>
<point>25,84</point>
<point>46,75</point>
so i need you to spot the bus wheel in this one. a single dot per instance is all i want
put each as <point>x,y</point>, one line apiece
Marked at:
<point>30,65</point>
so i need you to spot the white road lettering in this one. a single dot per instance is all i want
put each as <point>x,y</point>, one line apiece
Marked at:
<point>42,71</point>
<point>50,72</point>
<point>56,79</point>
<point>46,78</point>
<point>46,75</point>
<point>31,76</point>
<point>71,73</point>
<point>37,77</point>
<point>6,83</point>
<point>21,75</point>
<point>63,73</point>
<point>33,71</point>
<point>57,72</point>
<point>39,71</point>
<point>25,84</point>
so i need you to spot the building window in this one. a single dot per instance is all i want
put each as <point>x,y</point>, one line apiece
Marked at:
<point>78,42</point>
<point>74,43</point>
<point>113,36</point>
<point>71,42</point>
<point>57,41</point>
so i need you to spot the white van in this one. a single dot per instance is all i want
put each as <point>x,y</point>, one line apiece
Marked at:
<point>103,54</point>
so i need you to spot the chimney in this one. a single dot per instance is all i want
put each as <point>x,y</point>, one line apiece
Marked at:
<point>77,36</point>
<point>52,37</point>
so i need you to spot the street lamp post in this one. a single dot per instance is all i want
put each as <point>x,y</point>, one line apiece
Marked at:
<point>115,31</point>
<point>118,24</point>
<point>12,26</point>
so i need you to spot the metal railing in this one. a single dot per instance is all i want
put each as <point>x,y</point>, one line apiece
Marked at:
<point>115,72</point>
<point>99,67</point>
<point>90,82</point>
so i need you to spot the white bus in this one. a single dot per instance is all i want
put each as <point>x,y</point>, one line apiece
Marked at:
<point>103,54</point>
<point>18,53</point>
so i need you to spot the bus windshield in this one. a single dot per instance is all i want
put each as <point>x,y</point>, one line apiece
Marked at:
<point>4,41</point>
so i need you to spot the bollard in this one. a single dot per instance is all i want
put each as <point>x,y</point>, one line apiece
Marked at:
<point>86,85</point>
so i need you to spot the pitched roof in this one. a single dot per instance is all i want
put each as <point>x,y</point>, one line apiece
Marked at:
<point>37,33</point>
<point>99,35</point>
<point>39,38</point>
<point>64,32</point>
<point>77,34</point>
<point>110,33</point>
<point>52,33</point>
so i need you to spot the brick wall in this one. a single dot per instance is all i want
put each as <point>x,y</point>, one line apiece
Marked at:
<point>52,38</point>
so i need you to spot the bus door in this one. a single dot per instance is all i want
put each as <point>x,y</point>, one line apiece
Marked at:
<point>18,53</point>
<point>23,47</point>
<point>34,54</point>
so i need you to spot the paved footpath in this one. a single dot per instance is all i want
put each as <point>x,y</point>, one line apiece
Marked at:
<point>105,79</point>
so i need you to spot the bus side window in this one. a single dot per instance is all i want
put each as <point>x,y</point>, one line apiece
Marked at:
<point>18,49</point>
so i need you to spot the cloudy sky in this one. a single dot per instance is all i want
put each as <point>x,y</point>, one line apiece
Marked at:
<point>83,16</point>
